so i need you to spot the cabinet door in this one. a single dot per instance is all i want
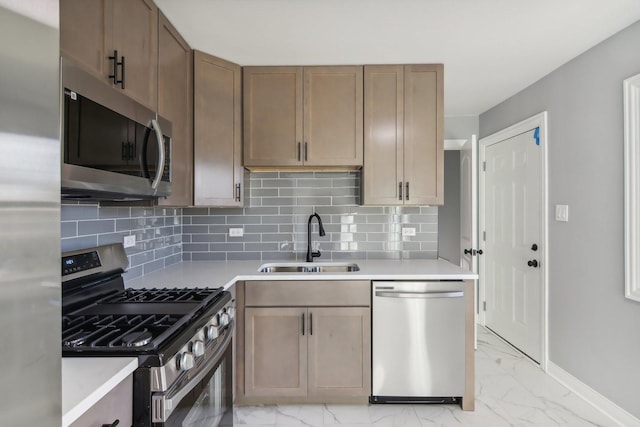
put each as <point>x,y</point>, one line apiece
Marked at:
<point>217,144</point>
<point>332,116</point>
<point>134,33</point>
<point>339,352</point>
<point>272,116</point>
<point>83,33</point>
<point>424,134</point>
<point>383,134</point>
<point>175,104</point>
<point>275,352</point>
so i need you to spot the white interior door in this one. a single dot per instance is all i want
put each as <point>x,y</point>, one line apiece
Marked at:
<point>513,204</point>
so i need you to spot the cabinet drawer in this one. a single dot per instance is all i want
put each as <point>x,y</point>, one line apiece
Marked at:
<point>308,293</point>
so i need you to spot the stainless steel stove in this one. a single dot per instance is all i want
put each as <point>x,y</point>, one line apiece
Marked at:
<point>181,336</point>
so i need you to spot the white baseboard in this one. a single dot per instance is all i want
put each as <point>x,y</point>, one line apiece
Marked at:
<point>604,405</point>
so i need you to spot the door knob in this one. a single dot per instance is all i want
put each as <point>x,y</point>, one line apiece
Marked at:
<point>480,252</point>
<point>533,263</point>
<point>534,247</point>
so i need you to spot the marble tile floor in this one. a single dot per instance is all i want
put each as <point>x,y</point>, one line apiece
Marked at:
<point>510,391</point>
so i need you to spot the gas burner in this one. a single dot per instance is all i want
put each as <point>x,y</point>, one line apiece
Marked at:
<point>137,339</point>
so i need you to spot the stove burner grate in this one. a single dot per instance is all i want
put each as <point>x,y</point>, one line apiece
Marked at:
<point>109,331</point>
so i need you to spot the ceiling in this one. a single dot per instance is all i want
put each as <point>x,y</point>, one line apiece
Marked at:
<point>491,49</point>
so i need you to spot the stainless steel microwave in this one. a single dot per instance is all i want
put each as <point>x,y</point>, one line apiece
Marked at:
<point>113,147</point>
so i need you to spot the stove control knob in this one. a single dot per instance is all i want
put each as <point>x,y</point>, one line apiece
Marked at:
<point>231,312</point>
<point>198,348</point>
<point>186,361</point>
<point>211,332</point>
<point>224,319</point>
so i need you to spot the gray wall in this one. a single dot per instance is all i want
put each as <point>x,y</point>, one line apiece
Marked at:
<point>593,330</point>
<point>158,233</point>
<point>275,222</point>
<point>449,213</point>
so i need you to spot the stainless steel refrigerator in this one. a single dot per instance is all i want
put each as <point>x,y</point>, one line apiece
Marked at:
<point>29,214</point>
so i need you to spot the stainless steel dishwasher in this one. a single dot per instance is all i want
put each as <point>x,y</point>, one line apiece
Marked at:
<point>418,342</point>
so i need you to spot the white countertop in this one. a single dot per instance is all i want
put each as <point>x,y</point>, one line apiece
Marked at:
<point>86,380</point>
<point>225,273</point>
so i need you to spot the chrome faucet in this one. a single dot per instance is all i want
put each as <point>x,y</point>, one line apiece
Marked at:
<point>310,253</point>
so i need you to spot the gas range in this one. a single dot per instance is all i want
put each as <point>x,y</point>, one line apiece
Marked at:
<point>181,336</point>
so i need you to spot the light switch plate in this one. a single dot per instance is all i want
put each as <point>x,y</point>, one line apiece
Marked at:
<point>129,241</point>
<point>408,231</point>
<point>562,213</point>
<point>236,232</point>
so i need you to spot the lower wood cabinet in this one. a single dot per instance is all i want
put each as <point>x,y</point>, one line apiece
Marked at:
<point>338,351</point>
<point>305,353</point>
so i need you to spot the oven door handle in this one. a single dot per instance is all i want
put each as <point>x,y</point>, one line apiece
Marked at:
<point>164,404</point>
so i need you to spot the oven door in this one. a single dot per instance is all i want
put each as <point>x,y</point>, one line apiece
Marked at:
<point>206,399</point>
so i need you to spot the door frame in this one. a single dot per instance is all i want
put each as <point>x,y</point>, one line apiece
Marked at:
<point>537,121</point>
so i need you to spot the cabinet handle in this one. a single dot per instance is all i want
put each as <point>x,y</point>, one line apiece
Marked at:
<point>310,323</point>
<point>125,151</point>
<point>122,67</point>
<point>305,151</point>
<point>299,158</point>
<point>114,74</point>
<point>302,316</point>
<point>113,424</point>
<point>407,192</point>
<point>400,191</point>
<point>237,192</point>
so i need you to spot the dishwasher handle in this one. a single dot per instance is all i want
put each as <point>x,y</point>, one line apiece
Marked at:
<point>433,294</point>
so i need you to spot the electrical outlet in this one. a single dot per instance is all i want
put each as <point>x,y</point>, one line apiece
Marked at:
<point>409,231</point>
<point>236,232</point>
<point>129,241</point>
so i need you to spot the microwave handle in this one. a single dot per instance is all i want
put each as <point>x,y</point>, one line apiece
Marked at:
<point>160,165</point>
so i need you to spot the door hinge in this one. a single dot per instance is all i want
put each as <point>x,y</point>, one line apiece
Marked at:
<point>484,306</point>
<point>484,166</point>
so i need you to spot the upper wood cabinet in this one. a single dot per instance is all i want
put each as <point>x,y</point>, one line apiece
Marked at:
<point>303,116</point>
<point>175,103</point>
<point>91,31</point>
<point>218,171</point>
<point>404,135</point>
